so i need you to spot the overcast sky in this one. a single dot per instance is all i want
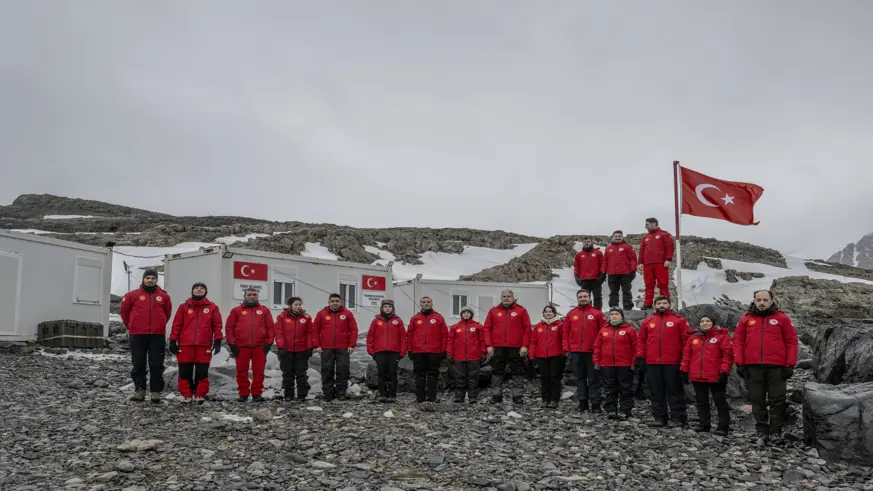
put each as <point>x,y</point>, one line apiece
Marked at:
<point>542,118</point>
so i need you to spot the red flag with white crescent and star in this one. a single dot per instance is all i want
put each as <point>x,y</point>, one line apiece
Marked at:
<point>708,197</point>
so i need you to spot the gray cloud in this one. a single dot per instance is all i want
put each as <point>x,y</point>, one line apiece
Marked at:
<point>539,118</point>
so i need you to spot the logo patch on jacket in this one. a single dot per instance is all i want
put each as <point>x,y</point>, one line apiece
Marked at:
<point>752,322</point>
<point>539,329</point>
<point>459,329</point>
<point>500,314</point>
<point>576,317</point>
<point>342,317</point>
<point>206,311</point>
<point>244,312</point>
<point>651,325</point>
<point>190,311</point>
<point>472,329</point>
<point>419,322</point>
<point>142,297</point>
<point>513,314</point>
<point>303,321</point>
<point>554,328</point>
<point>669,324</point>
<point>590,317</point>
<point>695,341</point>
<point>259,312</point>
<point>605,334</point>
<point>327,317</point>
<point>394,322</point>
<point>159,299</point>
<point>433,321</point>
<point>621,333</point>
<point>287,321</point>
<point>773,322</point>
<point>378,323</point>
<point>713,341</point>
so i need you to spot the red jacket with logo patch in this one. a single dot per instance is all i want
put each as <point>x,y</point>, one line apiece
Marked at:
<point>769,339</point>
<point>619,259</point>
<point>335,330</point>
<point>588,264</point>
<point>466,341</point>
<point>708,355</point>
<point>656,247</point>
<point>581,325</point>
<point>250,326</point>
<point>427,333</point>
<point>507,327</point>
<point>294,333</point>
<point>547,340</point>
<point>662,338</point>
<point>615,346</point>
<point>146,313</point>
<point>386,335</point>
<point>196,323</point>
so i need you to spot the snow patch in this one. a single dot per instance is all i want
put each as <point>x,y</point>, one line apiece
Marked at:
<point>84,355</point>
<point>35,231</point>
<point>318,251</point>
<point>66,217</point>
<point>114,318</point>
<point>445,266</point>
<point>232,239</point>
<point>237,419</point>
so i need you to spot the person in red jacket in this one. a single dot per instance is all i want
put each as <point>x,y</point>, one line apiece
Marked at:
<point>195,337</point>
<point>662,339</point>
<point>465,349</point>
<point>295,339</point>
<point>581,326</point>
<point>588,271</point>
<point>614,352</point>
<point>145,312</point>
<point>765,351</point>
<point>250,332</point>
<point>547,350</point>
<point>507,335</point>
<point>656,255</point>
<point>336,334</point>
<point>386,343</point>
<point>427,336</point>
<point>706,362</point>
<point>620,264</point>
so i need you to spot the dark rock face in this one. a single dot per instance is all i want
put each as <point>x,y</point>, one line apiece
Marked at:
<point>838,421</point>
<point>712,262</point>
<point>734,276</point>
<point>840,269</point>
<point>725,313</point>
<point>859,254</point>
<point>843,353</point>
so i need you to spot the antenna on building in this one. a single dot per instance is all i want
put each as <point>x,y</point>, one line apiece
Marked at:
<point>127,270</point>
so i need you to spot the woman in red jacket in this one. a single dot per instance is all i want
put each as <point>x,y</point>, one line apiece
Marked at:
<point>614,352</point>
<point>295,338</point>
<point>547,351</point>
<point>465,349</point>
<point>195,337</point>
<point>386,343</point>
<point>706,362</point>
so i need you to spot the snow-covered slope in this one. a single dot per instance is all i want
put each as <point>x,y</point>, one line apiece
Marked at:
<point>444,266</point>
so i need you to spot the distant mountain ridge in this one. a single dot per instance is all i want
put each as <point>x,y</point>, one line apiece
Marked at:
<point>858,254</point>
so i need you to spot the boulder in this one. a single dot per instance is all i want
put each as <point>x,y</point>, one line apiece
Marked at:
<point>843,353</point>
<point>838,421</point>
<point>812,303</point>
<point>725,312</point>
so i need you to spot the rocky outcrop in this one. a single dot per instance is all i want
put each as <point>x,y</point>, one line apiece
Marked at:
<point>696,250</point>
<point>838,421</point>
<point>712,263</point>
<point>725,313</point>
<point>843,353</point>
<point>840,269</point>
<point>859,254</point>
<point>734,276</point>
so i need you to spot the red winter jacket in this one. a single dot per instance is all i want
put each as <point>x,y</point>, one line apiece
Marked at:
<point>386,335</point>
<point>427,333</point>
<point>547,339</point>
<point>250,326</point>
<point>588,264</point>
<point>619,259</point>
<point>507,327</point>
<point>294,333</point>
<point>768,338</point>
<point>335,330</point>
<point>581,325</point>
<point>615,346</point>
<point>662,338</point>
<point>466,341</point>
<point>146,313</point>
<point>196,323</point>
<point>706,356</point>
<point>656,247</point>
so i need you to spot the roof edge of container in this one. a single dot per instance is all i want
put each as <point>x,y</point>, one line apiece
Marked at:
<point>275,255</point>
<point>52,241</point>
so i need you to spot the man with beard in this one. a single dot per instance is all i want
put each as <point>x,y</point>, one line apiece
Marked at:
<point>426,339</point>
<point>336,334</point>
<point>620,264</point>
<point>250,332</point>
<point>145,312</point>
<point>662,339</point>
<point>581,326</point>
<point>507,336</point>
<point>587,270</point>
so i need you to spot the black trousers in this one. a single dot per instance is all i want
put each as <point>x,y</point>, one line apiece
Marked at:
<point>596,289</point>
<point>294,365</point>
<point>766,386</point>
<point>618,389</point>
<point>623,282</point>
<point>665,387</point>
<point>426,367</point>
<point>551,372</point>
<point>468,379</point>
<point>147,354</point>
<point>335,368</point>
<point>719,394</point>
<point>513,378</point>
<point>386,364</point>
<point>587,378</point>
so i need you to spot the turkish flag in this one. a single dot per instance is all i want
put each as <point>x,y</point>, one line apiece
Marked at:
<point>373,282</point>
<point>708,197</point>
<point>249,271</point>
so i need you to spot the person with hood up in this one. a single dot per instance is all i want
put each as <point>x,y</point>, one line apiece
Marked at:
<point>765,351</point>
<point>295,339</point>
<point>507,335</point>
<point>547,348</point>
<point>427,336</point>
<point>614,352</point>
<point>145,312</point>
<point>706,362</point>
<point>466,350</point>
<point>194,338</point>
<point>250,332</point>
<point>336,334</point>
<point>587,270</point>
<point>386,343</point>
<point>582,324</point>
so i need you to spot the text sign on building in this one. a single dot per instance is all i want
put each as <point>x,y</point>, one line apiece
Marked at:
<point>250,271</point>
<point>240,287</point>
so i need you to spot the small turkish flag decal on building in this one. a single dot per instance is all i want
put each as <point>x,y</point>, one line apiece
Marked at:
<point>249,271</point>
<point>373,282</point>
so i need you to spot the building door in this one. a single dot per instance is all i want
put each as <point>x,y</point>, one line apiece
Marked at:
<point>10,293</point>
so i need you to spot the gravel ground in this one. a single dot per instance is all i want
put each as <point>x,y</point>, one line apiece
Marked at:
<point>68,425</point>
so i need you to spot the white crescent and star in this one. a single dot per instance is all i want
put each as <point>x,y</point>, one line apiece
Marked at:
<point>242,270</point>
<point>728,199</point>
<point>369,282</point>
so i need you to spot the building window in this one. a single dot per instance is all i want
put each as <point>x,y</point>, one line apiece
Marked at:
<point>282,291</point>
<point>458,303</point>
<point>485,302</point>
<point>349,293</point>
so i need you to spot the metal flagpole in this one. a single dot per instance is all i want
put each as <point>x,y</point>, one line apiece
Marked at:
<point>677,173</point>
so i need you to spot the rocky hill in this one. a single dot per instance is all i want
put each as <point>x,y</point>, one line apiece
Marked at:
<point>859,254</point>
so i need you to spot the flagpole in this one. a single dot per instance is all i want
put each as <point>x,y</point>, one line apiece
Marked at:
<point>677,170</point>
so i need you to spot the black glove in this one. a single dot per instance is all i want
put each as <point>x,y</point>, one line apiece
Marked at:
<point>483,359</point>
<point>174,347</point>
<point>451,359</point>
<point>787,372</point>
<point>601,278</point>
<point>267,348</point>
<point>684,377</point>
<point>640,363</point>
<point>633,275</point>
<point>723,378</point>
<point>216,347</point>
<point>234,350</point>
<point>445,356</point>
<point>597,367</point>
<point>743,372</point>
<point>578,281</point>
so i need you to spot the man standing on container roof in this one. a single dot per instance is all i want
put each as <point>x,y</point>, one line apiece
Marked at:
<point>336,334</point>
<point>507,335</point>
<point>656,256</point>
<point>145,312</point>
<point>587,270</point>
<point>427,336</point>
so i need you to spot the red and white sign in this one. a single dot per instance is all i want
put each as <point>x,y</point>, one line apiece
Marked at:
<point>250,271</point>
<point>373,282</point>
